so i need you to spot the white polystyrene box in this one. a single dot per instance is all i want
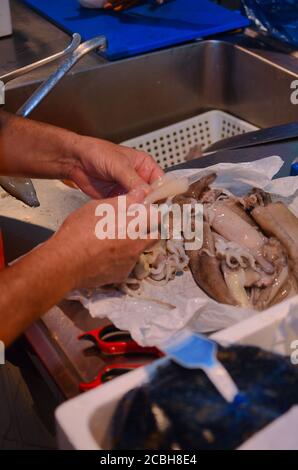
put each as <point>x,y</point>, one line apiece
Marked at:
<point>83,422</point>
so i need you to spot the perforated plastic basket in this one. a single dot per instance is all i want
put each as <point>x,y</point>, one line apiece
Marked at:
<point>171,144</point>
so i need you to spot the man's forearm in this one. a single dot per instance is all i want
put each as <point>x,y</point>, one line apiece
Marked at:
<point>31,286</point>
<point>33,149</point>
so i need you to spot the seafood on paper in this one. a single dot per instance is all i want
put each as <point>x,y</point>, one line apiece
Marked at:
<point>249,254</point>
<point>198,296</point>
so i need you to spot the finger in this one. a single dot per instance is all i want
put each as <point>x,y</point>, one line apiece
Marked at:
<point>156,173</point>
<point>136,195</point>
<point>135,220</point>
<point>147,219</point>
<point>116,191</point>
<point>103,189</point>
<point>95,187</point>
<point>149,170</point>
<point>128,177</point>
<point>146,167</point>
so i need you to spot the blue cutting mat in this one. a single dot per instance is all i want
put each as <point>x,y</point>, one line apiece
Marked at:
<point>143,28</point>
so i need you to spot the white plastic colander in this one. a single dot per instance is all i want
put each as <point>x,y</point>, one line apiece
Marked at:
<point>171,144</point>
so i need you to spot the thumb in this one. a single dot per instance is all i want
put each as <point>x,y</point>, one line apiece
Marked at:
<point>151,218</point>
<point>136,195</point>
<point>130,179</point>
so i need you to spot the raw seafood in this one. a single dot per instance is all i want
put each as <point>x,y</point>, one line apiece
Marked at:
<point>253,260</point>
<point>20,188</point>
<point>205,268</point>
<point>197,190</point>
<point>158,265</point>
<point>194,152</point>
<point>276,220</point>
<point>249,255</point>
<point>180,409</point>
<point>165,187</point>
<point>233,228</point>
<point>166,258</point>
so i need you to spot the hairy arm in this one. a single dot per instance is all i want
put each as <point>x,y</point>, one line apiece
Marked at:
<point>98,167</point>
<point>34,149</point>
<point>29,288</point>
<point>74,257</point>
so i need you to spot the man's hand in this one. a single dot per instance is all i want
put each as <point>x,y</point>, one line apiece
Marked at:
<point>97,262</point>
<point>73,257</point>
<point>103,169</point>
<point>70,259</point>
<point>99,168</point>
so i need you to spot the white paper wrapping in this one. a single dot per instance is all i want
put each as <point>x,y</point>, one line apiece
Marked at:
<point>150,323</point>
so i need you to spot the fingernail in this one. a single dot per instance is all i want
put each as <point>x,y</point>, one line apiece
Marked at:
<point>145,187</point>
<point>138,194</point>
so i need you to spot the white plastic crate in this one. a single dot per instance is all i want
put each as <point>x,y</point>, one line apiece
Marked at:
<point>170,145</point>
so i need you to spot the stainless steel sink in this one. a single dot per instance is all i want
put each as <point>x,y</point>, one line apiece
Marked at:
<point>124,99</point>
<point>121,100</point>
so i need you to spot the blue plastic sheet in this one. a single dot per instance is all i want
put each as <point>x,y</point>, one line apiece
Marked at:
<point>279,18</point>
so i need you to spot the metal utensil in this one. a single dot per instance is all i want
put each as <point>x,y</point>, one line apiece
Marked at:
<point>166,184</point>
<point>194,351</point>
<point>98,42</point>
<point>260,137</point>
<point>23,188</point>
<point>75,42</point>
<point>112,342</point>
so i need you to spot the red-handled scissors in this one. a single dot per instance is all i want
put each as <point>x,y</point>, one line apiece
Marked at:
<point>113,342</point>
<point>108,373</point>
